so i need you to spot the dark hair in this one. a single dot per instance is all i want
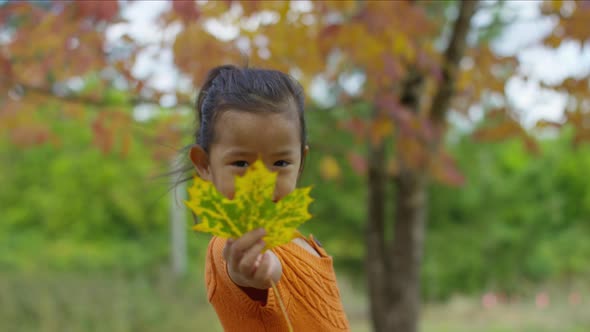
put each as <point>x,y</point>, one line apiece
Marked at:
<point>246,89</point>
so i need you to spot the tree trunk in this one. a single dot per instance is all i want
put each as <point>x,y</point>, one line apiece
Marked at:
<point>375,260</point>
<point>399,309</point>
<point>406,251</point>
<point>178,248</point>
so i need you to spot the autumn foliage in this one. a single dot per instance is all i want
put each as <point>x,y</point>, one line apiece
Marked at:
<point>385,42</point>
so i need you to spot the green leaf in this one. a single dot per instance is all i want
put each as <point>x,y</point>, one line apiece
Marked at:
<point>251,208</point>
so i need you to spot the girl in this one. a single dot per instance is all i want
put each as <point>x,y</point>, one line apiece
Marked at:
<point>246,114</point>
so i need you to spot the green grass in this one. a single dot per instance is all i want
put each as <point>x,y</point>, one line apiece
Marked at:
<point>115,303</point>
<point>518,314</point>
<point>52,302</point>
<point>462,314</point>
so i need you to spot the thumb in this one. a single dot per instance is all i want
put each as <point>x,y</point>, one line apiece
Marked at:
<point>226,248</point>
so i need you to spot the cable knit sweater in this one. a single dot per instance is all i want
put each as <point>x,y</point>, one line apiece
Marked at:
<point>307,287</point>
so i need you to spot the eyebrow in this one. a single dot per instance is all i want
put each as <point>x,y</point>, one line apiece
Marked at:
<point>241,152</point>
<point>237,152</point>
<point>283,153</point>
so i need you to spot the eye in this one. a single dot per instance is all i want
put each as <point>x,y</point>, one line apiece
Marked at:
<point>282,163</point>
<point>240,163</point>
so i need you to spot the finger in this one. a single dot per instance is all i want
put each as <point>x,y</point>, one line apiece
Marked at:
<point>258,259</point>
<point>241,245</point>
<point>227,248</point>
<point>248,262</point>
<point>257,263</point>
<point>264,271</point>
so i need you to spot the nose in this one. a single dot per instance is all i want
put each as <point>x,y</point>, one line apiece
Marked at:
<point>281,190</point>
<point>275,197</point>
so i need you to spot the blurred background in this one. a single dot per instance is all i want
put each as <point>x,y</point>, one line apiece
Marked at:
<point>449,158</point>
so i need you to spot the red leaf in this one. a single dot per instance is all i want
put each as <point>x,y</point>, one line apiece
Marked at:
<point>327,38</point>
<point>5,68</point>
<point>252,6</point>
<point>400,115</point>
<point>357,162</point>
<point>187,10</point>
<point>392,67</point>
<point>100,10</point>
<point>429,131</point>
<point>444,169</point>
<point>356,126</point>
<point>103,136</point>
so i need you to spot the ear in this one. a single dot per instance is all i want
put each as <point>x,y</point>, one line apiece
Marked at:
<point>200,160</point>
<point>303,158</point>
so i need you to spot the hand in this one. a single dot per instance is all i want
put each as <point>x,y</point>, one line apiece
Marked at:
<point>247,265</point>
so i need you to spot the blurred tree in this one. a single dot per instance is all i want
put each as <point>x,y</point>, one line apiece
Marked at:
<point>415,61</point>
<point>56,56</point>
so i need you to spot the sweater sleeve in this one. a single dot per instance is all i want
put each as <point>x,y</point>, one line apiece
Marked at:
<point>235,309</point>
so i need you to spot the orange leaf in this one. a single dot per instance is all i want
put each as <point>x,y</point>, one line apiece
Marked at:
<point>393,167</point>
<point>380,129</point>
<point>581,136</point>
<point>411,151</point>
<point>74,110</point>
<point>552,41</point>
<point>504,130</point>
<point>336,6</point>
<point>30,135</point>
<point>575,118</point>
<point>126,144</point>
<point>196,51</point>
<point>542,124</point>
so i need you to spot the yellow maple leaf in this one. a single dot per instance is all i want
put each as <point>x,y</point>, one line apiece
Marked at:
<point>251,208</point>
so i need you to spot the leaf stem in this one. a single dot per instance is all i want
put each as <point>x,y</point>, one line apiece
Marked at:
<point>281,304</point>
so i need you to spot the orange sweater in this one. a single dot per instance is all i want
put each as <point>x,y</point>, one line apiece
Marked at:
<point>307,287</point>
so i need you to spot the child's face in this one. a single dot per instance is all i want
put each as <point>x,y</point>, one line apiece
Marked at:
<point>241,138</point>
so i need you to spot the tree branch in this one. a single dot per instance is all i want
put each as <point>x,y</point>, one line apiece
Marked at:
<point>99,102</point>
<point>451,59</point>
